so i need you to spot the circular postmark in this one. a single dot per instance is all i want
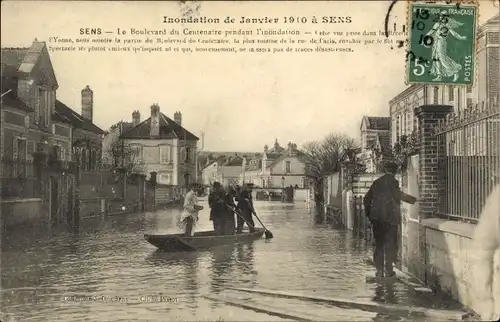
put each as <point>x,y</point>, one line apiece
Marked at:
<point>387,15</point>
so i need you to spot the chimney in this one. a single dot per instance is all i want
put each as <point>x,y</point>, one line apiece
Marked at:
<point>87,103</point>
<point>136,118</point>
<point>290,148</point>
<point>155,120</point>
<point>266,148</point>
<point>178,118</point>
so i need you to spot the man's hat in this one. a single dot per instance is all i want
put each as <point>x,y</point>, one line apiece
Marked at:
<point>217,184</point>
<point>391,167</point>
<point>249,185</point>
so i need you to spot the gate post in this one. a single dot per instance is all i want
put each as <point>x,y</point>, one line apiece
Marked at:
<point>430,185</point>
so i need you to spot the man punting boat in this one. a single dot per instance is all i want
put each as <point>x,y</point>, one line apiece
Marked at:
<point>245,208</point>
<point>218,208</point>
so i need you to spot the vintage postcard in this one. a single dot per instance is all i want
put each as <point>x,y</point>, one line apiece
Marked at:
<point>249,160</point>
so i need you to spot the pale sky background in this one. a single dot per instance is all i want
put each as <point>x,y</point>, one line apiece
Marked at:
<point>241,101</point>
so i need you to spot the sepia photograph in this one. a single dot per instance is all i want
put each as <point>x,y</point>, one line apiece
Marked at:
<point>250,160</point>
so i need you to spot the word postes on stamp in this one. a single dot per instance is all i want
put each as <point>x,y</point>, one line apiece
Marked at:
<point>442,44</point>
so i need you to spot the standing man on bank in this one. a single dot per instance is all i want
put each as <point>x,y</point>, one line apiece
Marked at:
<point>382,206</point>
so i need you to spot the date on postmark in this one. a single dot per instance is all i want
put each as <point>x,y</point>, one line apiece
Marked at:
<point>442,44</point>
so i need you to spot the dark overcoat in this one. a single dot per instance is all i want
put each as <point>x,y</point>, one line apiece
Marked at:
<point>216,202</point>
<point>383,200</point>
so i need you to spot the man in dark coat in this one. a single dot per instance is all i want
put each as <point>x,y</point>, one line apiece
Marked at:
<point>230,222</point>
<point>245,207</point>
<point>382,207</point>
<point>218,209</point>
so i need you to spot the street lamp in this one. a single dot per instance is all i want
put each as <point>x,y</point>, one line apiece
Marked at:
<point>198,154</point>
<point>282,189</point>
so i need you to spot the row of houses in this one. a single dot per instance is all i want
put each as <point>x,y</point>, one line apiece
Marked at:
<point>274,167</point>
<point>37,129</point>
<point>55,162</point>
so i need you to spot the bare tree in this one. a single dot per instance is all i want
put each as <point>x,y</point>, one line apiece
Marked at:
<point>125,156</point>
<point>323,157</point>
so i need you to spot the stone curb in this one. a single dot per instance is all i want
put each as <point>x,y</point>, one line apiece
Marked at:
<point>419,286</point>
<point>364,305</point>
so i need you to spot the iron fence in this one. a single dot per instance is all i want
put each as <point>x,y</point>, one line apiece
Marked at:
<point>469,155</point>
<point>18,179</point>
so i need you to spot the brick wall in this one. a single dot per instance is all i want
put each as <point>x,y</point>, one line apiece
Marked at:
<point>431,187</point>
<point>493,67</point>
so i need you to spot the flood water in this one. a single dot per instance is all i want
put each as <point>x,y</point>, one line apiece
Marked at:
<point>108,272</point>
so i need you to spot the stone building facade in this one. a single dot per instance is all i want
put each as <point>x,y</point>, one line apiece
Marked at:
<point>163,146</point>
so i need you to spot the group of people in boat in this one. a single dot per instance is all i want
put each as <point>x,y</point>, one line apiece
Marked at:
<point>230,209</point>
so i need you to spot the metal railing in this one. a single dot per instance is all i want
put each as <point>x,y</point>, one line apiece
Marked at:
<point>468,159</point>
<point>18,179</point>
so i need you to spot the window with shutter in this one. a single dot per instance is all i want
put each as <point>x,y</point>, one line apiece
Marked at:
<point>14,148</point>
<point>47,101</point>
<point>451,93</point>
<point>183,155</point>
<point>288,167</point>
<point>459,99</point>
<point>37,105</point>
<point>165,154</point>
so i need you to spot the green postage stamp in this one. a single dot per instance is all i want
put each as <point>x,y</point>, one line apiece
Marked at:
<point>442,44</point>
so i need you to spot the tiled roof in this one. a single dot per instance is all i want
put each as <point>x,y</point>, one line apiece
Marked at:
<point>13,56</point>
<point>378,123</point>
<point>76,119</point>
<point>272,155</point>
<point>169,129</point>
<point>234,162</point>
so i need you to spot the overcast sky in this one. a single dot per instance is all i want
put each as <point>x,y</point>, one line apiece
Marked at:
<point>241,101</point>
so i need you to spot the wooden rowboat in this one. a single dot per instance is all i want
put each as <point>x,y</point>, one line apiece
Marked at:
<point>201,240</point>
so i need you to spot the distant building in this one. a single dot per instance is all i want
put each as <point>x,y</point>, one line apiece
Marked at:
<point>275,168</point>
<point>375,141</point>
<point>227,171</point>
<point>204,158</point>
<point>163,146</point>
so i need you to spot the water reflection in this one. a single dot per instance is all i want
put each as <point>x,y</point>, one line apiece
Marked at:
<point>183,269</point>
<point>108,256</point>
<point>245,255</point>
<point>384,293</point>
<point>223,262</point>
